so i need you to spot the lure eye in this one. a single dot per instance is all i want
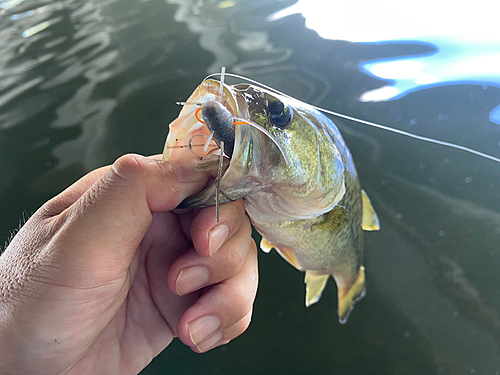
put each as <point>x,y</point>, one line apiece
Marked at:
<point>280,114</point>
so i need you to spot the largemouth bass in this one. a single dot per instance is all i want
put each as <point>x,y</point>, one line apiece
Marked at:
<point>295,174</point>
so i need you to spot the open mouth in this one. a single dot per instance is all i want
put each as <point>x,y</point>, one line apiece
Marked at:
<point>210,119</point>
<point>194,135</point>
<point>189,135</point>
<point>205,129</point>
<point>198,133</point>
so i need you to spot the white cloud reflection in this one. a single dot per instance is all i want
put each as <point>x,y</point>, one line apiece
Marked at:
<point>464,36</point>
<point>374,21</point>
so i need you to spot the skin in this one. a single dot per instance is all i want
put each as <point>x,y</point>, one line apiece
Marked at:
<point>90,284</point>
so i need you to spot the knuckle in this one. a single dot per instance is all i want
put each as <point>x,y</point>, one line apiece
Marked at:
<point>246,228</point>
<point>238,328</point>
<point>237,206</point>
<point>233,213</point>
<point>245,322</point>
<point>234,261</point>
<point>241,302</point>
<point>127,167</point>
<point>51,208</point>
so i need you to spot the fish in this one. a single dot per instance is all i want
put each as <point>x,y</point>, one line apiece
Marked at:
<point>294,172</point>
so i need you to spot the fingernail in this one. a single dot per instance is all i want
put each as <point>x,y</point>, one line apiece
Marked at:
<point>217,237</point>
<point>191,279</point>
<point>210,343</point>
<point>202,328</point>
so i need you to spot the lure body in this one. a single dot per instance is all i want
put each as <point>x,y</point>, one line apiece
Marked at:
<point>220,123</point>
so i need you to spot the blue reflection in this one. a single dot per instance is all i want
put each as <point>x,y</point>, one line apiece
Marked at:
<point>22,15</point>
<point>465,42</point>
<point>453,62</point>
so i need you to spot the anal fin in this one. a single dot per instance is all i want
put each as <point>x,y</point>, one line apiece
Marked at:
<point>349,296</point>
<point>370,218</point>
<point>315,283</point>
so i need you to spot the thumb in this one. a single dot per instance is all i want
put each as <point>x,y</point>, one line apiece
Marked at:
<point>108,222</point>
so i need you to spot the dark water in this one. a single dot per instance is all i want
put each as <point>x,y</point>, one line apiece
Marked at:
<point>83,82</point>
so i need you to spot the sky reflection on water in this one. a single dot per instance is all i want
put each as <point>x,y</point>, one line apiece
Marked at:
<point>465,43</point>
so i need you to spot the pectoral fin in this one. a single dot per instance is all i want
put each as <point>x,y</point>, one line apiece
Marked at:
<point>206,198</point>
<point>370,218</point>
<point>265,245</point>
<point>315,284</point>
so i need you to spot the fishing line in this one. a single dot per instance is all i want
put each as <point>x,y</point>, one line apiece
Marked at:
<point>217,183</point>
<point>242,121</point>
<point>369,123</point>
<point>221,90</point>
<point>236,121</point>
<point>189,103</point>
<point>209,139</point>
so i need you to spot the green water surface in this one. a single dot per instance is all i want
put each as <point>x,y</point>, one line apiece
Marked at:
<point>102,80</point>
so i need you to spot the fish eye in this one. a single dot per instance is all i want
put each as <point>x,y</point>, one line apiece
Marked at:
<point>279,114</point>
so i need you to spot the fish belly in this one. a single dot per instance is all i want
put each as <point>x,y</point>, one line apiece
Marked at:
<point>331,244</point>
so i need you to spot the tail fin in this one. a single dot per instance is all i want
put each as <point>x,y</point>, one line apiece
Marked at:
<point>349,296</point>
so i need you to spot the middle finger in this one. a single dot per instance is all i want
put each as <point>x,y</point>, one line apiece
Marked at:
<point>191,271</point>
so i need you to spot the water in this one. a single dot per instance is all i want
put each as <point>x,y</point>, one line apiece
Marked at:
<point>82,83</point>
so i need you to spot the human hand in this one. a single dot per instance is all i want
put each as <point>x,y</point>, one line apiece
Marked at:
<point>84,286</point>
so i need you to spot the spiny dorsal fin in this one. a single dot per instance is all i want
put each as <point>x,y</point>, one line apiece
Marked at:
<point>370,218</point>
<point>314,286</point>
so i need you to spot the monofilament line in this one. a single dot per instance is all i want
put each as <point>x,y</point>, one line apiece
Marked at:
<point>207,143</point>
<point>370,123</point>
<point>221,90</point>
<point>189,103</point>
<point>217,182</point>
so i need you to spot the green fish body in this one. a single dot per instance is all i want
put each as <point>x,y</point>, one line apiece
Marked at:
<point>297,178</point>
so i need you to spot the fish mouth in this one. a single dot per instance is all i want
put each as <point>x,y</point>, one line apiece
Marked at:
<point>188,138</point>
<point>188,134</point>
